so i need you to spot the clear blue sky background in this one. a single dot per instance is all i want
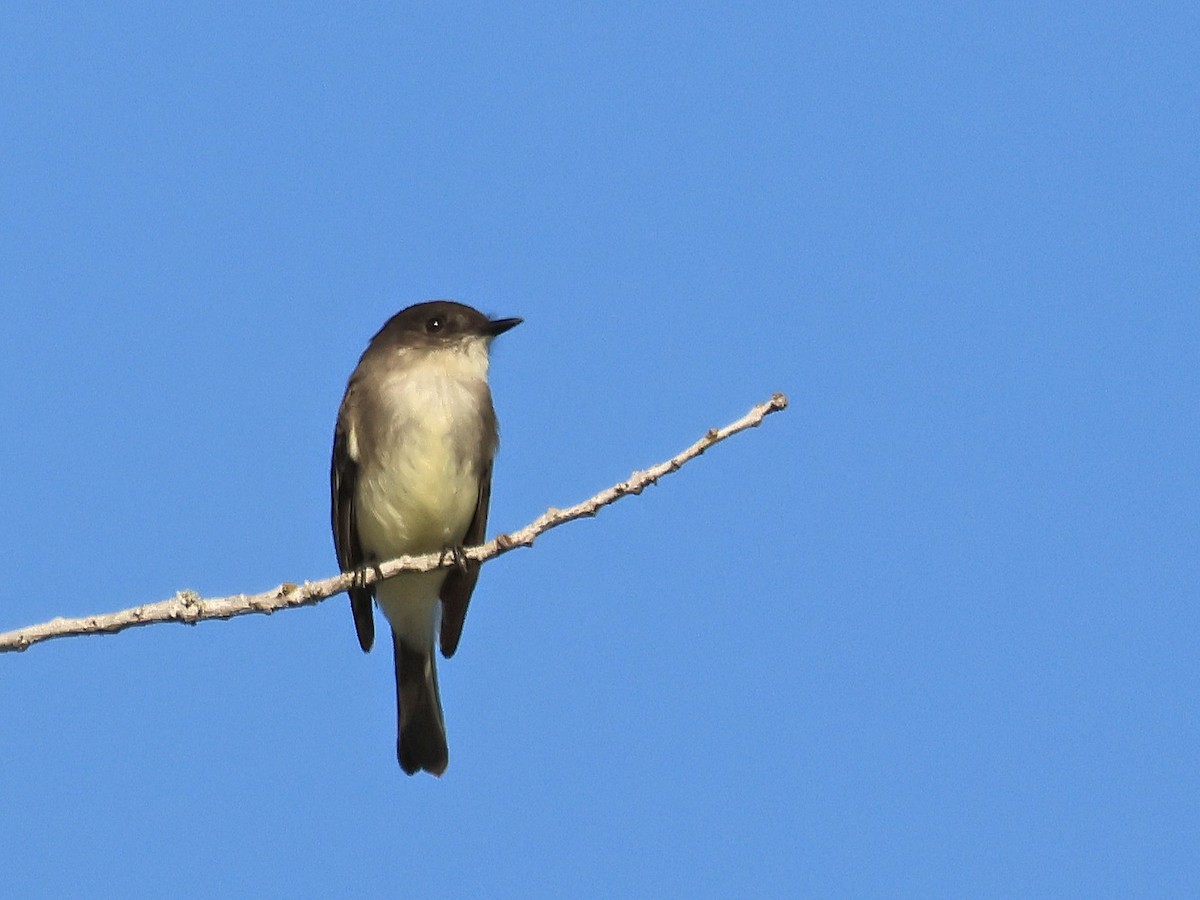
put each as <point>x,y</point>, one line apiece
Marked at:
<point>932,631</point>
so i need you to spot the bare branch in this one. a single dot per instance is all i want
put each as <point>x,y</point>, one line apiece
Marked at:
<point>189,607</point>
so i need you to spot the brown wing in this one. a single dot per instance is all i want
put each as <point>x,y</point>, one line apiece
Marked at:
<point>457,588</point>
<point>343,475</point>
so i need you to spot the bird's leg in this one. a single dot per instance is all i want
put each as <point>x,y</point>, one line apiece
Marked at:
<point>360,573</point>
<point>457,553</point>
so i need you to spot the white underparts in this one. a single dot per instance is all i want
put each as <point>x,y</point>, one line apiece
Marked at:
<point>418,491</point>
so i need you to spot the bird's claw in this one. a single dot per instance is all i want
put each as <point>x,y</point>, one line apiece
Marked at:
<point>457,554</point>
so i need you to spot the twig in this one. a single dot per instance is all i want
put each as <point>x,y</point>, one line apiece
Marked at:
<point>189,607</point>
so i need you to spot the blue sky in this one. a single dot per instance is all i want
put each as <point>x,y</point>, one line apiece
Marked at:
<point>932,631</point>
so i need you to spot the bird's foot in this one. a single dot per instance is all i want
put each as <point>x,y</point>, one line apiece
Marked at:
<point>457,554</point>
<point>360,574</point>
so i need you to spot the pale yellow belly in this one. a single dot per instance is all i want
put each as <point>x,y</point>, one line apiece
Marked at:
<point>418,498</point>
<point>417,492</point>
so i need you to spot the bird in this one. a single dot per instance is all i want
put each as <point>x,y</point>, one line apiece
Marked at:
<point>411,473</point>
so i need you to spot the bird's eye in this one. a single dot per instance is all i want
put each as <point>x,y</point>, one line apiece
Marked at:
<point>434,325</point>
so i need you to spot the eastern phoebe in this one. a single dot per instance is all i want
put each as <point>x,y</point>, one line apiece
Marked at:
<point>412,473</point>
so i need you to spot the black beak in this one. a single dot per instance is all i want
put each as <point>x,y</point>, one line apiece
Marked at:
<point>499,326</point>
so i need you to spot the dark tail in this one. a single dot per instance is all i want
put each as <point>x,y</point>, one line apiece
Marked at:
<point>421,743</point>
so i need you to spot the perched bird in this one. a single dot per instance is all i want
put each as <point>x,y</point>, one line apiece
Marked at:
<point>412,473</point>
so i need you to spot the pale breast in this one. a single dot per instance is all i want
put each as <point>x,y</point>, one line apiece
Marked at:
<point>418,487</point>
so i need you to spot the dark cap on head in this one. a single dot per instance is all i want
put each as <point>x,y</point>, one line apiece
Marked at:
<point>441,321</point>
